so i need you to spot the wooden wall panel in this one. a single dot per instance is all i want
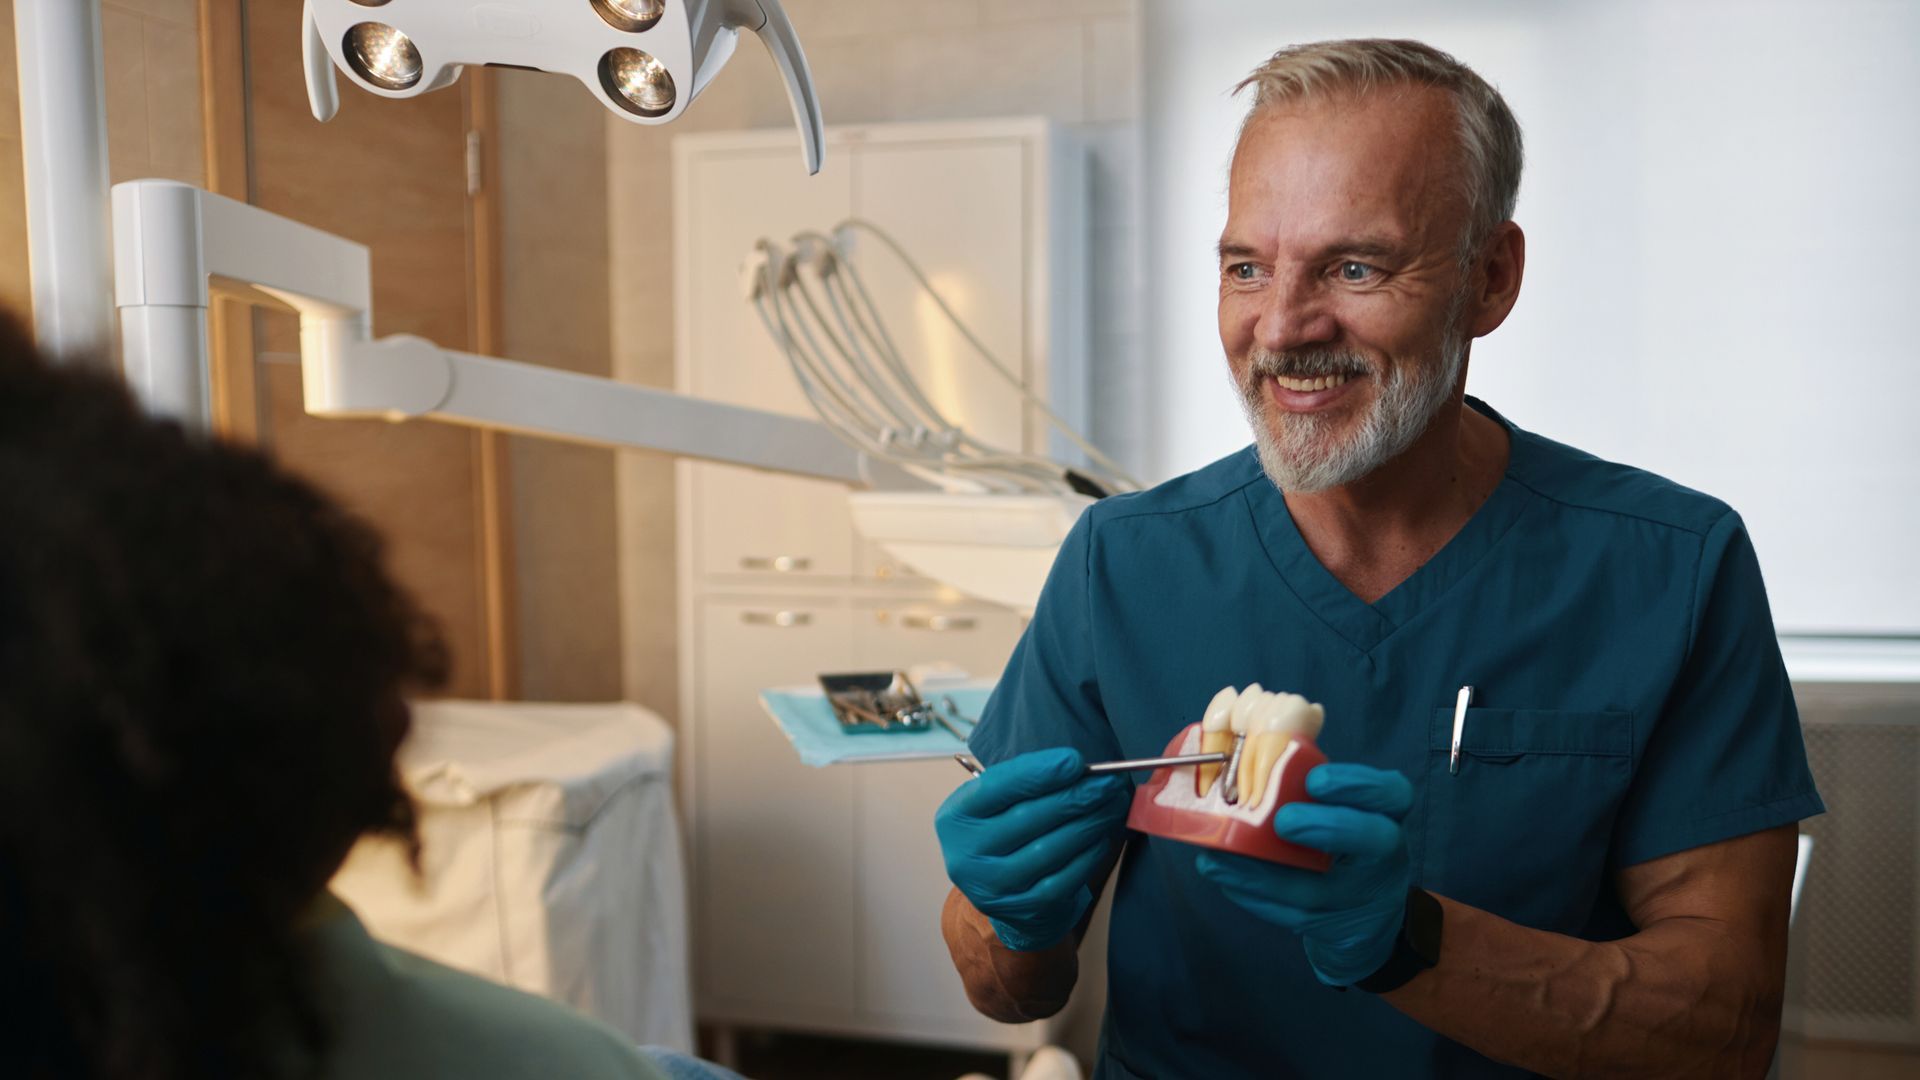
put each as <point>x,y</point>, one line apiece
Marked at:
<point>391,175</point>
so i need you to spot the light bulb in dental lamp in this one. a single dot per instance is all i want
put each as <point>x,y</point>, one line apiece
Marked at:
<point>644,59</point>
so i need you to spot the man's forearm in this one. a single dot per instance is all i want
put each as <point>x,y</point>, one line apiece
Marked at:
<point>1008,986</point>
<point>1682,997</point>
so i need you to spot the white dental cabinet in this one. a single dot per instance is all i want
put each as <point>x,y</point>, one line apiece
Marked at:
<point>816,893</point>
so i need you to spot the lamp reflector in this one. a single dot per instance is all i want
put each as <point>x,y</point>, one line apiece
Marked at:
<point>383,56</point>
<point>631,15</point>
<point>638,82</point>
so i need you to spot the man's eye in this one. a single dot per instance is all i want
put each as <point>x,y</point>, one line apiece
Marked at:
<point>1242,271</point>
<point>1356,271</point>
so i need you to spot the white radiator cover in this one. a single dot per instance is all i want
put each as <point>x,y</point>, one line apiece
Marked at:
<point>1854,969</point>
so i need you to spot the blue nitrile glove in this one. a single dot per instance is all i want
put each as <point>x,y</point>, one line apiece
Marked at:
<point>1349,917</point>
<point>1023,840</point>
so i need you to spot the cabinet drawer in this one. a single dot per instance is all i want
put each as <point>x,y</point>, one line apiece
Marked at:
<point>978,637</point>
<point>755,525</point>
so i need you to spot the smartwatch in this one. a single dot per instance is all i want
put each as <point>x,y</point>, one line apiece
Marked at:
<point>1415,950</point>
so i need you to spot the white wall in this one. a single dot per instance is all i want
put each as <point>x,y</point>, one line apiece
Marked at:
<point>1722,203</point>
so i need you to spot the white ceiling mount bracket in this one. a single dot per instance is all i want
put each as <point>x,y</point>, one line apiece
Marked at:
<point>646,60</point>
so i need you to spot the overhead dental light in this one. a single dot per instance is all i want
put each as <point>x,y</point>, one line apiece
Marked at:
<point>644,59</point>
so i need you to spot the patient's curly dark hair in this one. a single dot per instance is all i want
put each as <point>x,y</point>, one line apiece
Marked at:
<point>201,670</point>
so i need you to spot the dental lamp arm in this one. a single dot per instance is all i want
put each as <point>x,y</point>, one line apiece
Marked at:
<point>172,241</point>
<point>406,377</point>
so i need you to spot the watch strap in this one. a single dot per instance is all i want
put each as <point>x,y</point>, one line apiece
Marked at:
<point>1415,949</point>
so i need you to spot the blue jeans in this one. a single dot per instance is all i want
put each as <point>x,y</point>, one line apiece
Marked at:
<point>679,1066</point>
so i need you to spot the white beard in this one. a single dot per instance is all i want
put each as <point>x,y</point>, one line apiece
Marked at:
<point>1309,453</point>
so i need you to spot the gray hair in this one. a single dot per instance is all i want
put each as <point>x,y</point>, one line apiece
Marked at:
<point>1489,134</point>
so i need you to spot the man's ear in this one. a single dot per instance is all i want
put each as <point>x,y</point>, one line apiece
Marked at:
<point>1502,263</point>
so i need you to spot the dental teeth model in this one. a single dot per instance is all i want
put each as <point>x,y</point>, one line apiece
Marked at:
<point>1271,742</point>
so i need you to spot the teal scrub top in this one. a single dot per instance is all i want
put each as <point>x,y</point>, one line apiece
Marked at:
<point>1629,702</point>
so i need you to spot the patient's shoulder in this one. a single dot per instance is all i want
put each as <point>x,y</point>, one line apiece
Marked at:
<point>395,1014</point>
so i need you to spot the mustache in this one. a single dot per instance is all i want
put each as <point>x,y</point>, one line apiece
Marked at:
<point>1306,363</point>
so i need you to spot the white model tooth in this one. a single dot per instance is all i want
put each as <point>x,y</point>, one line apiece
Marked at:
<point>1243,706</point>
<point>1276,724</point>
<point>1216,737</point>
<point>1289,716</point>
<point>1251,776</point>
<point>1262,751</point>
<point>1219,710</point>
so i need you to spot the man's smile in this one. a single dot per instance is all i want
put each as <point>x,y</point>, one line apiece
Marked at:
<point>1309,395</point>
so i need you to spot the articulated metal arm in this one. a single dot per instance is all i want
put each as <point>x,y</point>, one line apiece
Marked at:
<point>173,243</point>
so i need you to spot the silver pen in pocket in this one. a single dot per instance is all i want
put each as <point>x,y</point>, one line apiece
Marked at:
<point>1459,727</point>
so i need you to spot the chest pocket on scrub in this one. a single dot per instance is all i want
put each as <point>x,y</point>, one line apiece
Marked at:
<point>1524,828</point>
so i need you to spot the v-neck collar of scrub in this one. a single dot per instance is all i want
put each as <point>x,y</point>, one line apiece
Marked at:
<point>1365,625</point>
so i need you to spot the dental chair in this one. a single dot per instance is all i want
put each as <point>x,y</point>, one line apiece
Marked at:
<point>550,859</point>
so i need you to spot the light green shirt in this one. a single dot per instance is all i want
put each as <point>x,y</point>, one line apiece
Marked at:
<point>394,1014</point>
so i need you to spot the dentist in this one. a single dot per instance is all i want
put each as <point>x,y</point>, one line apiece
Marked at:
<point>1602,884</point>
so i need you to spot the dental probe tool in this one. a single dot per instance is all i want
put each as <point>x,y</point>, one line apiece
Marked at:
<point>973,766</point>
<point>1154,762</point>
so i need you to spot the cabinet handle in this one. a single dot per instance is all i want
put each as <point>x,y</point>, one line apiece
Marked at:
<point>777,618</point>
<point>939,624</point>
<point>779,564</point>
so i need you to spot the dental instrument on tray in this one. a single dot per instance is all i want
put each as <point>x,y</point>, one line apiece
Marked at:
<point>953,710</point>
<point>884,701</point>
<point>646,60</point>
<point>817,309</point>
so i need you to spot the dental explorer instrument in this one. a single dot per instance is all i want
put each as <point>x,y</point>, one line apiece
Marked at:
<point>1136,764</point>
<point>973,766</point>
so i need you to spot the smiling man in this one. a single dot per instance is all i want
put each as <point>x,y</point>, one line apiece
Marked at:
<point>1600,883</point>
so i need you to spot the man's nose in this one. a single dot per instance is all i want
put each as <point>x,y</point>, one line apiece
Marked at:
<point>1295,314</point>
